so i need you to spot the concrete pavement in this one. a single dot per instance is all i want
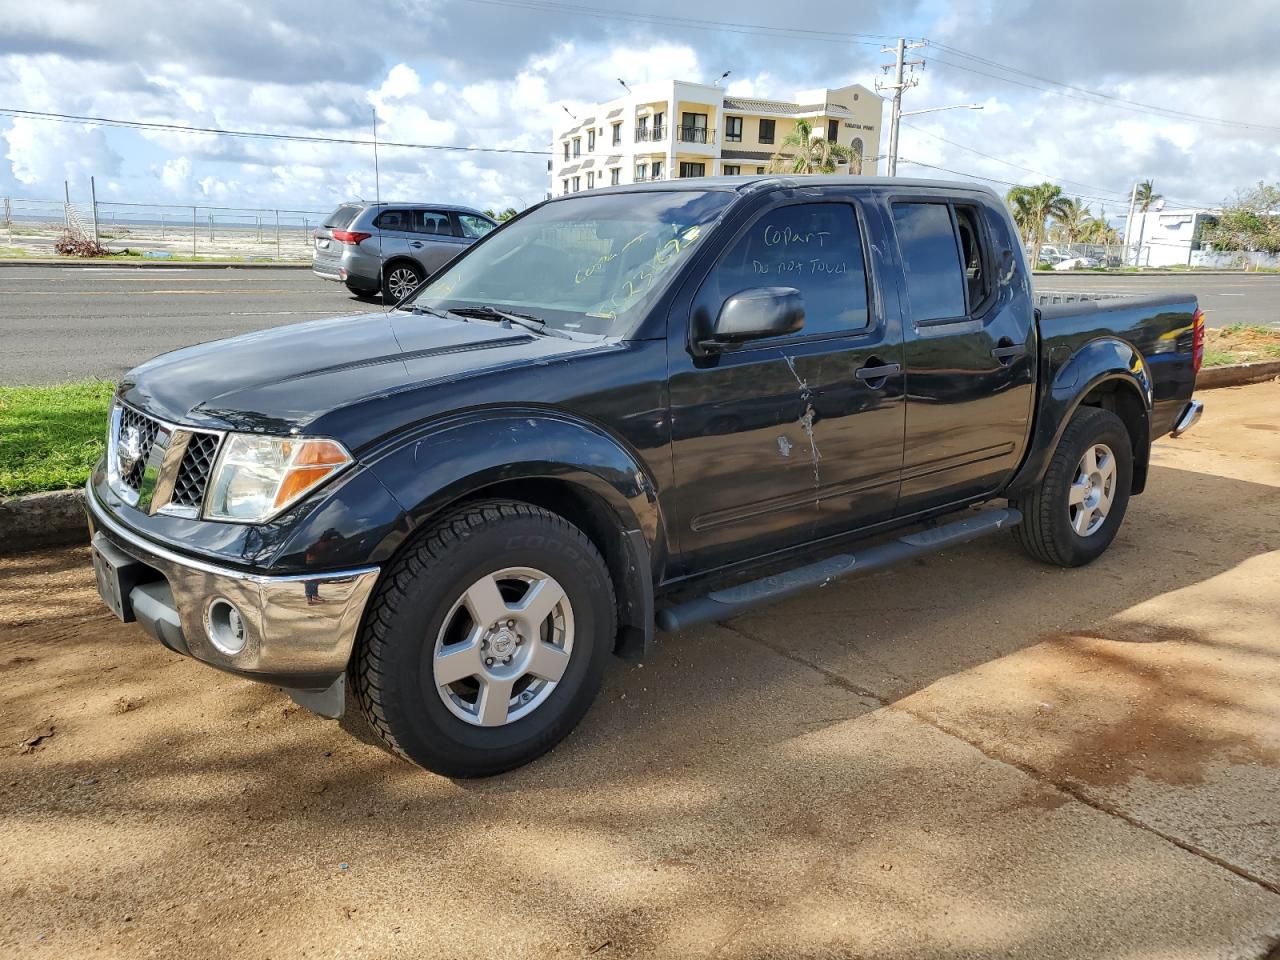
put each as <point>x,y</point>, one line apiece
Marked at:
<point>972,755</point>
<point>63,323</point>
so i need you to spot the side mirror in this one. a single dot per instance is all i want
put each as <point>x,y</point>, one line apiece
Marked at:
<point>756,314</point>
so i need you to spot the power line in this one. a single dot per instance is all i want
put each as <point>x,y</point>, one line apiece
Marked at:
<point>749,29</point>
<point>1083,94</point>
<point>251,134</point>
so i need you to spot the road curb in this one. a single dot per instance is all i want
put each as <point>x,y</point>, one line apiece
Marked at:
<point>36,520</point>
<point>1105,274</point>
<point>1237,374</point>
<point>161,264</point>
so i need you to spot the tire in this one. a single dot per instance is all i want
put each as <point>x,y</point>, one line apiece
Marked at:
<point>424,605</point>
<point>362,293</point>
<point>1055,530</point>
<point>399,279</point>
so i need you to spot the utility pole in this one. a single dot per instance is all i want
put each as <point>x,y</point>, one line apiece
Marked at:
<point>899,84</point>
<point>1128,223</point>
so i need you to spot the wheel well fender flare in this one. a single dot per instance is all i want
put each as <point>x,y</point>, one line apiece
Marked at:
<point>1107,372</point>
<point>551,458</point>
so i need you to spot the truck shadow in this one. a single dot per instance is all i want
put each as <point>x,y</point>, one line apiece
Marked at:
<point>787,783</point>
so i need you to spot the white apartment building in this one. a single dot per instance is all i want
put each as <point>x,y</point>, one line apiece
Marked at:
<point>661,131</point>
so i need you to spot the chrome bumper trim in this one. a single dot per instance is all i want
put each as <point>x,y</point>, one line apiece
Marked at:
<point>301,626</point>
<point>1190,417</point>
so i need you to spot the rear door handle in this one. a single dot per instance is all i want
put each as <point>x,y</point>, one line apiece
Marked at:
<point>878,372</point>
<point>1010,351</point>
<point>416,244</point>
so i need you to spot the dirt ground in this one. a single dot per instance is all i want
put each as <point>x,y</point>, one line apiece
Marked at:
<point>969,756</point>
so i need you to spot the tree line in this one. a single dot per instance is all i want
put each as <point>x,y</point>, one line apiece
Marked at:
<point>1044,211</point>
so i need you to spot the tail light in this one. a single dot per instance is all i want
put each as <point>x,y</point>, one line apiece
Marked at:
<point>1197,339</point>
<point>350,236</point>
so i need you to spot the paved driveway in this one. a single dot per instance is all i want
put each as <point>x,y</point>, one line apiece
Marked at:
<point>969,756</point>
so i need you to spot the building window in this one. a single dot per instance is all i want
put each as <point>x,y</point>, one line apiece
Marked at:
<point>615,176</point>
<point>591,179</point>
<point>833,130</point>
<point>767,130</point>
<point>642,172</point>
<point>577,184</point>
<point>759,169</point>
<point>658,131</point>
<point>617,133</point>
<point>730,169</point>
<point>733,129</point>
<point>657,170</point>
<point>693,127</point>
<point>566,149</point>
<point>690,169</point>
<point>591,140</point>
<point>566,184</point>
<point>577,146</point>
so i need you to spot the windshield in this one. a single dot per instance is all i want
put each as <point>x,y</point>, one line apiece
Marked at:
<point>586,264</point>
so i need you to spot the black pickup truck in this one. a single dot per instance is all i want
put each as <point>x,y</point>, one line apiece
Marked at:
<point>630,409</point>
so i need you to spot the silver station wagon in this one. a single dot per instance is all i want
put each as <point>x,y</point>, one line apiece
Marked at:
<point>390,248</point>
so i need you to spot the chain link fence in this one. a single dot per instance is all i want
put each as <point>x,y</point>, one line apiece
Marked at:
<point>160,231</point>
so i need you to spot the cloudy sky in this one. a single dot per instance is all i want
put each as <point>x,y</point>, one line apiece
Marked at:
<point>497,73</point>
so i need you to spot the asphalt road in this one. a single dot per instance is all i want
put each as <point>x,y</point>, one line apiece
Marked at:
<point>969,756</point>
<point>62,323</point>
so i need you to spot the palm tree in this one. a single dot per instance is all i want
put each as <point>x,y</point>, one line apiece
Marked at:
<point>1147,195</point>
<point>1031,207</point>
<point>809,154</point>
<point>1073,220</point>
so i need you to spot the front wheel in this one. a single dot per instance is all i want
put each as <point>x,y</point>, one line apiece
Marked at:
<point>1075,513</point>
<point>487,639</point>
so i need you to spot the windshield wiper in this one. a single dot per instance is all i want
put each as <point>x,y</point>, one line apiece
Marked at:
<point>421,308</point>
<point>525,320</point>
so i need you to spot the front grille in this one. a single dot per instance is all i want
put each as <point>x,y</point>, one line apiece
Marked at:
<point>193,474</point>
<point>146,429</point>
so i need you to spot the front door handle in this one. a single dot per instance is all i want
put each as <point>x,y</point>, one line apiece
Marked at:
<point>416,244</point>
<point>1007,351</point>
<point>878,371</point>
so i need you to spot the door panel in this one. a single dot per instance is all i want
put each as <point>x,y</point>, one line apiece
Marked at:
<point>436,242</point>
<point>780,442</point>
<point>970,378</point>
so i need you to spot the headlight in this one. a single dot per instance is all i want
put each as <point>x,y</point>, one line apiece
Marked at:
<point>257,477</point>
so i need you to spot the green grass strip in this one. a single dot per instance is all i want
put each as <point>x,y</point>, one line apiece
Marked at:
<point>50,437</point>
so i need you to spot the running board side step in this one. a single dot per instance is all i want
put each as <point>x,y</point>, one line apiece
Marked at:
<point>732,601</point>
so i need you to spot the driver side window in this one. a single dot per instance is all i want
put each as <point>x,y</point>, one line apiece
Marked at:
<point>815,248</point>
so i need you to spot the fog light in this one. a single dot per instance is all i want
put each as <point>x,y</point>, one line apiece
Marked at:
<point>225,626</point>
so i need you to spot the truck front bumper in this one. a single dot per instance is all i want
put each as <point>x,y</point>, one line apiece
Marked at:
<point>292,631</point>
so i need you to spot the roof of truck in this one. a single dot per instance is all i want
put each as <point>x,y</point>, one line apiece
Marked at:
<point>750,184</point>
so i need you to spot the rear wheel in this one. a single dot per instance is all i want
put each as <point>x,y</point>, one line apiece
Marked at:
<point>487,640</point>
<point>399,280</point>
<point>1075,513</point>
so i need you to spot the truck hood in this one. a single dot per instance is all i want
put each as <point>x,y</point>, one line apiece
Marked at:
<point>290,378</point>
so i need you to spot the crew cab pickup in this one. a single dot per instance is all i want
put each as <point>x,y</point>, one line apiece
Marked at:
<point>622,412</point>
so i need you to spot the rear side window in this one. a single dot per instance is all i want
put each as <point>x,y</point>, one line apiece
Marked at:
<point>341,218</point>
<point>814,247</point>
<point>931,261</point>
<point>433,222</point>
<point>394,220</point>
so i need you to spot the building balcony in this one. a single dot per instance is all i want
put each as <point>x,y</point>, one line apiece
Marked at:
<point>649,134</point>
<point>697,135</point>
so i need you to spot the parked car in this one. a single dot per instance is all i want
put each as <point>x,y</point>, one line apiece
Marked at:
<point>610,417</point>
<point>1076,263</point>
<point>390,248</point>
